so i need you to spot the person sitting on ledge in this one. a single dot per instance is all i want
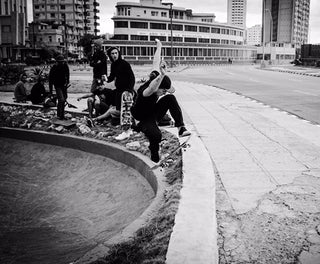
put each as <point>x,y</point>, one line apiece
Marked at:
<point>20,91</point>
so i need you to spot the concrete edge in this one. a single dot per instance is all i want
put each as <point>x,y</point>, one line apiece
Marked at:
<point>194,235</point>
<point>133,159</point>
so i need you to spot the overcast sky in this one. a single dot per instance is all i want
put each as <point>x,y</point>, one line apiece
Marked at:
<point>218,7</point>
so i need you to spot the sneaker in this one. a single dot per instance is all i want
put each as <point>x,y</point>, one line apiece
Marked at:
<point>183,132</point>
<point>124,135</point>
<point>90,122</point>
<point>155,156</point>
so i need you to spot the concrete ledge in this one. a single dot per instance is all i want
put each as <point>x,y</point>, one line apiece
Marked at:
<point>118,153</point>
<point>194,236</point>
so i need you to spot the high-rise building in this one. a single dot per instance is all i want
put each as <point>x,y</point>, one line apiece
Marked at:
<point>237,12</point>
<point>254,35</point>
<point>60,24</point>
<point>13,29</point>
<point>286,21</point>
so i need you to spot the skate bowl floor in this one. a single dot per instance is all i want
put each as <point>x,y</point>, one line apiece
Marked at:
<point>59,203</point>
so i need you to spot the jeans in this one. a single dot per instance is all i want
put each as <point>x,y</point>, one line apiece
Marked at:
<point>62,96</point>
<point>149,125</point>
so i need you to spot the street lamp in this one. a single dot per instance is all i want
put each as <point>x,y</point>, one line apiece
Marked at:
<point>271,30</point>
<point>170,14</point>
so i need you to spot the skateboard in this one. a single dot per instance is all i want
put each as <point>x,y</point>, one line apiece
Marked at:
<point>64,123</point>
<point>163,163</point>
<point>125,113</point>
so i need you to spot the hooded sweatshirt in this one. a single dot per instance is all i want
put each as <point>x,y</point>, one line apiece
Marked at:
<point>121,73</point>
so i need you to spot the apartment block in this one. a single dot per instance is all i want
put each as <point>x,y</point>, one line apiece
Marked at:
<point>60,24</point>
<point>286,21</point>
<point>254,35</point>
<point>237,12</point>
<point>13,29</point>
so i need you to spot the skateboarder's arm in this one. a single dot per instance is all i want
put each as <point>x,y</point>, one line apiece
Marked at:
<point>85,96</point>
<point>155,83</point>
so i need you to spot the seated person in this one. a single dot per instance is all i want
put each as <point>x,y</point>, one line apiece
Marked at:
<point>99,101</point>
<point>152,103</point>
<point>38,91</point>
<point>20,91</point>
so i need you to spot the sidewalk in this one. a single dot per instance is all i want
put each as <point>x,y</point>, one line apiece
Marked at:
<point>267,166</point>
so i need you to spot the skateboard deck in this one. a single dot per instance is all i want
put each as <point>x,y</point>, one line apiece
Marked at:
<point>164,162</point>
<point>64,123</point>
<point>125,113</point>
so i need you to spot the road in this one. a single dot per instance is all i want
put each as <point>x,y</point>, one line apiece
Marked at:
<point>296,94</point>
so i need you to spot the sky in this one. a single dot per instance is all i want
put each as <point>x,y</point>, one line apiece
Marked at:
<point>218,7</point>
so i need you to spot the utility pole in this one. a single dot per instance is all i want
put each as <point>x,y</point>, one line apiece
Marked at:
<point>171,35</point>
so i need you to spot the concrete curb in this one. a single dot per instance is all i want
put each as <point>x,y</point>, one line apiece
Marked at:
<point>194,236</point>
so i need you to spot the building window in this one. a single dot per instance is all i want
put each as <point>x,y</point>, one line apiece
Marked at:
<point>158,26</point>
<point>161,38</point>
<point>175,27</point>
<point>215,30</point>
<point>138,24</point>
<point>215,41</point>
<point>190,28</point>
<point>204,40</point>
<point>194,40</point>
<point>204,29</point>
<point>52,15</point>
<point>154,13</point>
<point>121,24</point>
<point>121,37</point>
<point>137,37</point>
<point>163,14</point>
<point>6,29</point>
<point>62,7</point>
<point>176,39</point>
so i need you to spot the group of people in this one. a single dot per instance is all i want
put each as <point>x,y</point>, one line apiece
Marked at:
<point>152,100</point>
<point>59,78</point>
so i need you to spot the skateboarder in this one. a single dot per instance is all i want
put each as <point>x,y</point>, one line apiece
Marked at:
<point>153,102</point>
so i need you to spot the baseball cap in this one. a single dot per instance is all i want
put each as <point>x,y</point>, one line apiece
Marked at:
<point>166,84</point>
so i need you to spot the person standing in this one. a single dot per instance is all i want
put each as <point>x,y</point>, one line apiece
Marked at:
<point>98,62</point>
<point>59,77</point>
<point>20,91</point>
<point>122,75</point>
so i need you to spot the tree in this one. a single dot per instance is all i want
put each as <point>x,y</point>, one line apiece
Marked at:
<point>86,42</point>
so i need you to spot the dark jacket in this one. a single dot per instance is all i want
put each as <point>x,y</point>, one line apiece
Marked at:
<point>121,72</point>
<point>38,93</point>
<point>99,68</point>
<point>59,75</point>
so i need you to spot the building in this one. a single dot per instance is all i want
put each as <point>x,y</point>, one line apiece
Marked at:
<point>13,29</point>
<point>254,35</point>
<point>187,37</point>
<point>237,12</point>
<point>286,22</point>
<point>310,54</point>
<point>60,24</point>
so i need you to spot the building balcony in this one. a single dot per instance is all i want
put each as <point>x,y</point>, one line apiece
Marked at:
<point>96,30</point>
<point>96,3</point>
<point>96,24</point>
<point>96,17</point>
<point>95,10</point>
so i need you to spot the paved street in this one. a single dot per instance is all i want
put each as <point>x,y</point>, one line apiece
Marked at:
<point>294,93</point>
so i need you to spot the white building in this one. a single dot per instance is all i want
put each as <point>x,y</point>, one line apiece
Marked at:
<point>186,36</point>
<point>237,12</point>
<point>254,35</point>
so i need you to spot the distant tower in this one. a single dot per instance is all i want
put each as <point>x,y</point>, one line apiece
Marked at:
<point>286,21</point>
<point>254,35</point>
<point>237,12</point>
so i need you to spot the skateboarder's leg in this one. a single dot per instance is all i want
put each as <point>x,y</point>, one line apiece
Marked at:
<point>153,133</point>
